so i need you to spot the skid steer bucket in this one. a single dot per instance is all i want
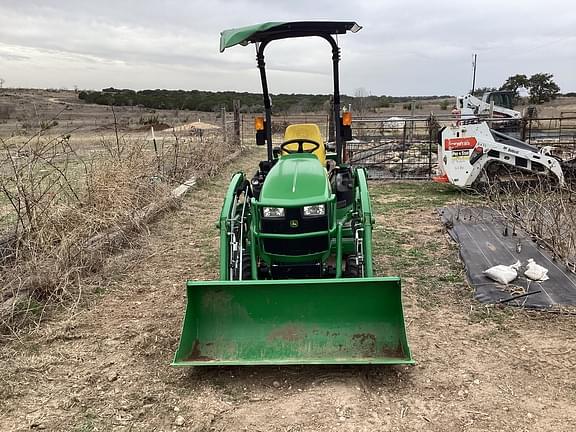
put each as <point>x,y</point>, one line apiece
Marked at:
<point>324,321</point>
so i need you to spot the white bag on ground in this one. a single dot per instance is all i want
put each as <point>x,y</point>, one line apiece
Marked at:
<point>536,272</point>
<point>502,273</point>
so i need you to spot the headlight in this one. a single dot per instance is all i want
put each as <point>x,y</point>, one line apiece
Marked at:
<point>273,212</point>
<point>315,210</point>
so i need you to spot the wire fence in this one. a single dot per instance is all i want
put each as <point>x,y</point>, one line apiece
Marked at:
<point>394,147</point>
<point>405,147</point>
<point>558,132</point>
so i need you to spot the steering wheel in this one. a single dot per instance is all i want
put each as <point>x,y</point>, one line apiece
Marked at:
<point>301,142</point>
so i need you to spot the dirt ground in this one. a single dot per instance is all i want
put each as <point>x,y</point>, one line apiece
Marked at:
<point>62,113</point>
<point>107,366</point>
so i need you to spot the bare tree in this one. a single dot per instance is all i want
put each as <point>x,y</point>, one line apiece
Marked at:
<point>361,103</point>
<point>2,81</point>
<point>66,213</point>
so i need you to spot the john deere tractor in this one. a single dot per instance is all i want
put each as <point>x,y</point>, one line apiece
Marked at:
<point>296,279</point>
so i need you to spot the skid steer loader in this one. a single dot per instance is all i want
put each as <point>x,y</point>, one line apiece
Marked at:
<point>472,154</point>
<point>296,284</point>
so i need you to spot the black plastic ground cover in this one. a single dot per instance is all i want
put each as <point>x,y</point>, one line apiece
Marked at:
<point>485,241</point>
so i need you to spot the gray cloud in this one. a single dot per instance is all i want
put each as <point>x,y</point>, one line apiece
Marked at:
<point>406,47</point>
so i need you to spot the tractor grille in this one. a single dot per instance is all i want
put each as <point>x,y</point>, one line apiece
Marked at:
<point>295,223</point>
<point>304,225</point>
<point>296,247</point>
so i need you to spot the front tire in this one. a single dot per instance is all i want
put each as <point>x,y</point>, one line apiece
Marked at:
<point>246,268</point>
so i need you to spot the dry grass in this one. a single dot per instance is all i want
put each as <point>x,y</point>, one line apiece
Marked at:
<point>64,214</point>
<point>545,210</point>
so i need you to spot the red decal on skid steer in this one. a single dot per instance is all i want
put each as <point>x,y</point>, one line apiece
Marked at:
<point>460,143</point>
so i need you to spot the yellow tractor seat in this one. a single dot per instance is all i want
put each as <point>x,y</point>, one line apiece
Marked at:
<point>309,131</point>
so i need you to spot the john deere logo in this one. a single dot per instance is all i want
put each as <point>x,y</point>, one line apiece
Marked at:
<point>294,223</point>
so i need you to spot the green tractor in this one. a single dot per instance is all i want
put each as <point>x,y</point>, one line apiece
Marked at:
<point>296,279</point>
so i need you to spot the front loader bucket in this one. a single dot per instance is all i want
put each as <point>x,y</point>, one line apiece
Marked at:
<point>311,321</point>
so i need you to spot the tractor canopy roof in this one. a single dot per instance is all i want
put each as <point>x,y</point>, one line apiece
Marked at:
<point>283,30</point>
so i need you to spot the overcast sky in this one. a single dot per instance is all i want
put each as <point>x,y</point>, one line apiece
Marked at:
<point>405,47</point>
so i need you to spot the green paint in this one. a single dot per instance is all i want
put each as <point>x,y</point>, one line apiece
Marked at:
<point>326,321</point>
<point>224,224</point>
<point>241,35</point>
<point>335,320</point>
<point>295,181</point>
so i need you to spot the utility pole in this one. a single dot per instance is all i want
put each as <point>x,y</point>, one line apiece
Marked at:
<point>473,74</point>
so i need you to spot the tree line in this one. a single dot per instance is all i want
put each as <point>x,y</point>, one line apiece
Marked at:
<point>541,87</point>
<point>198,100</point>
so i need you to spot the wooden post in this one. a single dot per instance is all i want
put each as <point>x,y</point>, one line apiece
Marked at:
<point>331,131</point>
<point>236,106</point>
<point>412,114</point>
<point>223,117</point>
<point>155,147</point>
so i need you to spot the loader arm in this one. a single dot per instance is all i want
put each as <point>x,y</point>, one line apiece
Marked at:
<point>471,106</point>
<point>366,219</point>
<point>226,216</point>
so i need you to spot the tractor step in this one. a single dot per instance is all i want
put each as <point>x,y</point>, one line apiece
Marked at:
<point>302,321</point>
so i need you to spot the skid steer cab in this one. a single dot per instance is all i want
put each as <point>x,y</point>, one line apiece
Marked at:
<point>296,284</point>
<point>473,155</point>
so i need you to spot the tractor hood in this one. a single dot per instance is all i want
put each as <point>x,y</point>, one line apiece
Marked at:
<point>296,180</point>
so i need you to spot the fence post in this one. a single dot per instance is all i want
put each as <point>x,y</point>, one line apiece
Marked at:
<point>431,129</point>
<point>236,107</point>
<point>331,134</point>
<point>404,145</point>
<point>412,114</point>
<point>243,128</point>
<point>560,128</point>
<point>523,128</point>
<point>223,118</point>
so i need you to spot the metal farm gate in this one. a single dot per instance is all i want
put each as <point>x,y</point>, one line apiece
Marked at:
<point>394,147</point>
<point>558,132</point>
